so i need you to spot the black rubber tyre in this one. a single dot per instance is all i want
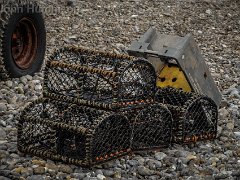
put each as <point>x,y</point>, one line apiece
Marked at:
<point>22,39</point>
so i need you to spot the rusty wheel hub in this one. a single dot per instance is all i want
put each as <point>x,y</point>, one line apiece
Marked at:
<point>24,43</point>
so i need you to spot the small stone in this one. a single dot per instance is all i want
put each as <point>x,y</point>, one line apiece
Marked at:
<point>219,132</point>
<point>38,87</point>
<point>237,134</point>
<point>39,170</point>
<point>3,134</point>
<point>88,178</point>
<point>222,175</point>
<point>35,177</point>
<point>160,156</point>
<point>51,166</point>
<point>179,165</point>
<point>134,16</point>
<point>224,139</point>
<point>4,178</point>
<point>116,51</point>
<point>223,113</point>
<point>79,175</point>
<point>208,11</point>
<point>3,123</point>
<point>20,90</point>
<point>228,153</point>
<point>213,161</point>
<point>191,157</point>
<point>24,80</point>
<point>98,171</point>
<point>236,173</point>
<point>108,173</point>
<point>117,175</point>
<point>61,176</point>
<point>65,169</point>
<point>136,28</point>
<point>140,160</point>
<point>73,37</point>
<point>133,162</point>
<point>3,154</point>
<point>230,126</point>
<point>38,162</point>
<point>167,14</point>
<point>235,92</point>
<point>224,103</point>
<point>27,172</point>
<point>12,100</point>
<point>153,177</point>
<point>101,177</point>
<point>36,81</point>
<point>28,77</point>
<point>3,107</point>
<point>120,46</point>
<point>9,83</point>
<point>18,170</point>
<point>154,164</point>
<point>145,171</point>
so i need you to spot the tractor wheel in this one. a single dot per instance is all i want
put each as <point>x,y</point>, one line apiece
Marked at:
<point>22,38</point>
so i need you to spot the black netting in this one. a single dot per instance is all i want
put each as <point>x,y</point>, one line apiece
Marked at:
<point>195,116</point>
<point>37,134</point>
<point>90,58</point>
<point>99,78</point>
<point>111,138</point>
<point>99,106</point>
<point>152,128</point>
<point>201,120</point>
<point>85,135</point>
<point>55,129</point>
<point>172,96</point>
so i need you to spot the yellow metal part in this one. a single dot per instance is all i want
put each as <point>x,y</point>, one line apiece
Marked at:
<point>172,76</point>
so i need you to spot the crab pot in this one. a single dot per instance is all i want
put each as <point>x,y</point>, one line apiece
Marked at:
<point>80,135</point>
<point>87,136</point>
<point>195,116</point>
<point>151,127</point>
<point>96,78</point>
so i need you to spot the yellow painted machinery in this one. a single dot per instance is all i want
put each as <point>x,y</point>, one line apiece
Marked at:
<point>178,63</point>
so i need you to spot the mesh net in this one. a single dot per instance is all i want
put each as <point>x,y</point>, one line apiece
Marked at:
<point>195,116</point>
<point>173,97</point>
<point>152,128</point>
<point>84,135</point>
<point>104,78</point>
<point>111,138</point>
<point>77,123</point>
<point>201,120</point>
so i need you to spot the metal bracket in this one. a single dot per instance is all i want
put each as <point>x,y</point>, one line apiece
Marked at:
<point>185,52</point>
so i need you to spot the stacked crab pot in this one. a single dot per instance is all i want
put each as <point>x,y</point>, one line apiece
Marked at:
<point>97,106</point>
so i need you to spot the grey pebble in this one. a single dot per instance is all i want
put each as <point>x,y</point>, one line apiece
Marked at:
<point>79,175</point>
<point>160,156</point>
<point>3,107</point>
<point>3,134</point>
<point>108,173</point>
<point>98,171</point>
<point>144,171</point>
<point>24,80</point>
<point>9,83</point>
